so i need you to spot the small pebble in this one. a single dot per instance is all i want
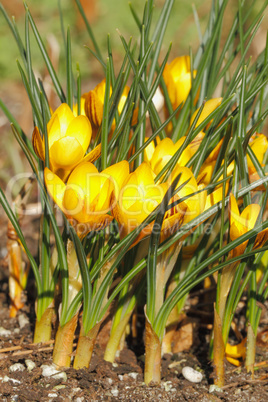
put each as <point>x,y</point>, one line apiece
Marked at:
<point>213,388</point>
<point>48,371</point>
<point>30,364</point>
<point>192,375</point>
<point>167,386</point>
<point>110,381</point>
<point>115,392</point>
<point>23,320</point>
<point>6,379</point>
<point>16,367</point>
<point>52,395</point>
<point>4,332</point>
<point>121,377</point>
<point>133,375</point>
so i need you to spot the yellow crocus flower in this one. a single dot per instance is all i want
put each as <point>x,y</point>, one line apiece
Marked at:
<point>177,77</point>
<point>94,103</point>
<point>87,196</point>
<point>165,150</point>
<point>140,196</point>
<point>68,141</point>
<point>242,223</point>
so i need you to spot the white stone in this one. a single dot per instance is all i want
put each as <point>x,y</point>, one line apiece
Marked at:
<point>48,371</point>
<point>16,367</point>
<point>213,388</point>
<point>133,375</point>
<point>6,379</point>
<point>23,320</point>
<point>52,395</point>
<point>115,392</point>
<point>30,364</point>
<point>192,375</point>
<point>167,386</point>
<point>4,332</point>
<point>121,377</point>
<point>110,381</point>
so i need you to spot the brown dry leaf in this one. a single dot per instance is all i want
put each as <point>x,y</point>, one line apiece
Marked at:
<point>186,336</point>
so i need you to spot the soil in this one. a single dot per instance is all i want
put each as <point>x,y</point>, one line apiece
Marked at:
<point>123,380</point>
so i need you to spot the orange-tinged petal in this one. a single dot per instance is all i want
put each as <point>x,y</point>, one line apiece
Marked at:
<point>94,108</point>
<point>93,155</point>
<point>66,152</point>
<point>80,128</point>
<point>55,187</point>
<point>38,144</point>
<point>209,107</point>
<point>234,362</point>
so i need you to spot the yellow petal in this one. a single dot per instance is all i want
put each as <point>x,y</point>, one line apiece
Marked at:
<point>55,187</point>
<point>80,128</point>
<point>164,148</point>
<point>119,173</point>
<point>38,144</point>
<point>81,176</point>
<point>65,116</point>
<point>238,350</point>
<point>93,155</point>
<point>66,152</point>
<point>249,216</point>
<point>209,107</point>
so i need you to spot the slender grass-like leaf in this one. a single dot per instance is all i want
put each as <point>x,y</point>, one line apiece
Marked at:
<point>158,37</point>
<point>69,70</point>
<point>105,118</point>
<point>36,111</point>
<point>90,32</point>
<point>49,65</point>
<point>14,122</point>
<point>86,282</point>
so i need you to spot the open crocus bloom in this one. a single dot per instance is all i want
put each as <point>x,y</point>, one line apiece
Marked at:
<point>88,194</point>
<point>244,222</point>
<point>177,77</point>
<point>68,141</point>
<point>140,196</point>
